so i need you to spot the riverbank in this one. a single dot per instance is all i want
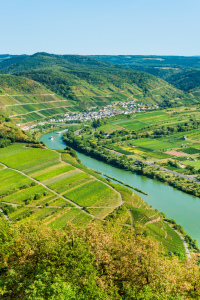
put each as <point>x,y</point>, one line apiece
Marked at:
<point>123,162</point>
<point>175,204</point>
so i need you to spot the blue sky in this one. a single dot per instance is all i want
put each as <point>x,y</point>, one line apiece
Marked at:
<point>154,27</point>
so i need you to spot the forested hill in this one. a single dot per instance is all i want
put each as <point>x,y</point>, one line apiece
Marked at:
<point>161,66</point>
<point>186,81</point>
<point>89,81</point>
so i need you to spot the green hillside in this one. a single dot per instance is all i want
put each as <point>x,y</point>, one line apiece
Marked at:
<point>161,66</point>
<point>187,81</point>
<point>86,81</point>
<point>25,100</point>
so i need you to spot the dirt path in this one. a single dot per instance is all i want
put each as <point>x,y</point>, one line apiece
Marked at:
<point>153,221</point>
<point>40,183</point>
<point>37,111</point>
<point>59,195</point>
<point>5,216</point>
<point>183,240</point>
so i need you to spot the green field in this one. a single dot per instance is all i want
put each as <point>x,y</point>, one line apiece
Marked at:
<point>157,230</point>
<point>94,194</point>
<point>44,165</point>
<point>196,164</point>
<point>27,159</point>
<point>190,150</point>
<point>11,180</point>
<point>52,172</point>
<point>62,185</point>
<point>152,144</point>
<point>133,125</point>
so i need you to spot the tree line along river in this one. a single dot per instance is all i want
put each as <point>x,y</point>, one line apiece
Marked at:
<point>184,208</point>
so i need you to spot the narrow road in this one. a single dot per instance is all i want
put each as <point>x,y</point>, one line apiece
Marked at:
<point>77,132</point>
<point>172,172</point>
<point>6,217</point>
<point>187,177</point>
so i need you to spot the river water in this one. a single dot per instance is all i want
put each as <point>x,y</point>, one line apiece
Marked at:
<point>184,208</point>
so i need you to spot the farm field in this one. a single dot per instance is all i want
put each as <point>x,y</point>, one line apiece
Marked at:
<point>152,144</point>
<point>45,166</point>
<point>26,159</point>
<point>109,127</point>
<point>190,150</point>
<point>52,172</point>
<point>133,125</point>
<point>11,180</point>
<point>94,194</point>
<point>33,201</point>
<point>196,164</point>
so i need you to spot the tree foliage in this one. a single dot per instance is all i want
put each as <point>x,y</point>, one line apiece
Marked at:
<point>90,263</point>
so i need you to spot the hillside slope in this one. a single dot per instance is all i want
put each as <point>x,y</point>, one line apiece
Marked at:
<point>187,81</point>
<point>161,66</point>
<point>25,100</point>
<point>88,81</point>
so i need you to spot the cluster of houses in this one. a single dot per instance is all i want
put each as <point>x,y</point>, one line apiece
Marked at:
<point>94,114</point>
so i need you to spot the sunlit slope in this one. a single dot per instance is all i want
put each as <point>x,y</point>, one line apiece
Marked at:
<point>88,81</point>
<point>25,100</point>
<point>40,185</point>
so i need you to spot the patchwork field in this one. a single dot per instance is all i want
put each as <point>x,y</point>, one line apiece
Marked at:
<point>47,185</point>
<point>34,107</point>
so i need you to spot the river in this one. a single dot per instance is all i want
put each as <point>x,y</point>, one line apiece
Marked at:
<point>184,208</point>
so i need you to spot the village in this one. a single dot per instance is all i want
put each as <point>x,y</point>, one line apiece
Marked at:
<point>93,113</point>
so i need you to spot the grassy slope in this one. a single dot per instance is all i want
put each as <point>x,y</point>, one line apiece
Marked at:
<point>145,220</point>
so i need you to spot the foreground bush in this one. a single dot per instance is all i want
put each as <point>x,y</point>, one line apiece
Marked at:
<point>92,263</point>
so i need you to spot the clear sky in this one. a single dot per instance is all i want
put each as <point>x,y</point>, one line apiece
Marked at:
<point>159,27</point>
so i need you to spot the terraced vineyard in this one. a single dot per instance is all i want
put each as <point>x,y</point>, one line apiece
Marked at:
<point>46,188</point>
<point>25,100</point>
<point>52,187</point>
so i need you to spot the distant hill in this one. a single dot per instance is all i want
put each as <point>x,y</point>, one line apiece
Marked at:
<point>187,81</point>
<point>68,83</point>
<point>161,66</point>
